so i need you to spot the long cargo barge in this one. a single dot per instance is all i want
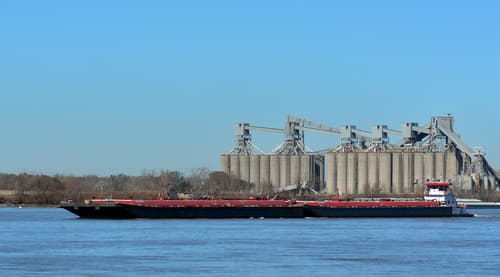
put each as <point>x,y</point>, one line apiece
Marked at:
<point>439,202</point>
<point>218,208</point>
<point>337,208</point>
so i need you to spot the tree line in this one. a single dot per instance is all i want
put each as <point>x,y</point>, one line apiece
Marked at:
<point>50,190</point>
<point>200,182</point>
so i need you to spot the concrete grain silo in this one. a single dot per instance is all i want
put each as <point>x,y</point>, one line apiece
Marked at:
<point>364,163</point>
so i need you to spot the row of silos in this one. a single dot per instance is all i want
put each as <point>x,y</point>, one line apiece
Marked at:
<point>387,172</point>
<point>275,170</point>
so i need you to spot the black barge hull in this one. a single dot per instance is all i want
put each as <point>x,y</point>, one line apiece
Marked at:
<point>315,211</point>
<point>98,211</point>
<point>123,211</point>
<point>215,212</point>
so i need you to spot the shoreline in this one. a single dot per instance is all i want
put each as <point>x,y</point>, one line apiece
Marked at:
<point>28,206</point>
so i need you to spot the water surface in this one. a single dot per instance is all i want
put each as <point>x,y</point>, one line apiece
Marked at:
<point>51,241</point>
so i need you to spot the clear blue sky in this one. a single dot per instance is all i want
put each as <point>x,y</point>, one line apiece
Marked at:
<point>107,87</point>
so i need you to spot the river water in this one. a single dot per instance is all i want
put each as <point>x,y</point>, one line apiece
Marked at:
<point>51,241</point>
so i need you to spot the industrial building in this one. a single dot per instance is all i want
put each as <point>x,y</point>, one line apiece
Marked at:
<point>364,163</point>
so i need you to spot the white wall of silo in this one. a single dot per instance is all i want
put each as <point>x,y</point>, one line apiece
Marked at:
<point>275,171</point>
<point>224,164</point>
<point>393,171</point>
<point>284,170</point>
<point>440,166</point>
<point>255,172</point>
<point>295,169</point>
<point>429,166</point>
<point>305,169</point>
<point>341,184</point>
<point>408,170</point>
<point>451,166</point>
<point>363,187</point>
<point>245,168</point>
<point>234,165</point>
<point>385,172</point>
<point>264,174</point>
<point>352,174</point>
<point>331,172</point>
<point>419,173</point>
<point>373,185</point>
<point>397,173</point>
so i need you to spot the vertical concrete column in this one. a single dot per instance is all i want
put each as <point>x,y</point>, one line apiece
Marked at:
<point>295,169</point>
<point>305,169</point>
<point>373,165</point>
<point>352,173</point>
<point>255,172</point>
<point>331,172</point>
<point>363,187</point>
<point>265,177</point>
<point>284,171</point>
<point>451,166</point>
<point>275,171</point>
<point>429,166</point>
<point>224,164</point>
<point>342,172</point>
<point>385,172</point>
<point>419,172</point>
<point>408,177</point>
<point>397,173</point>
<point>440,166</point>
<point>245,168</point>
<point>319,166</point>
<point>234,164</point>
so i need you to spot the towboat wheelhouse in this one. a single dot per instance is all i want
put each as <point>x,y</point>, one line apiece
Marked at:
<point>440,192</point>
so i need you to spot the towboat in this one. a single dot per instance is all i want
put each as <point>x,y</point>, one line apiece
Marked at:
<point>440,192</point>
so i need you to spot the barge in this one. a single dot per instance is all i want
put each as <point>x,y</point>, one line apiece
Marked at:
<point>438,202</point>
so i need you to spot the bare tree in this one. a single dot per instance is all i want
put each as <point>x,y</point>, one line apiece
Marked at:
<point>198,180</point>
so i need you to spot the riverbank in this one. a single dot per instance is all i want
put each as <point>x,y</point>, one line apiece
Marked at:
<point>10,205</point>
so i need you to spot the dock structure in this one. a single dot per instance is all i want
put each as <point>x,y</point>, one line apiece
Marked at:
<point>364,162</point>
